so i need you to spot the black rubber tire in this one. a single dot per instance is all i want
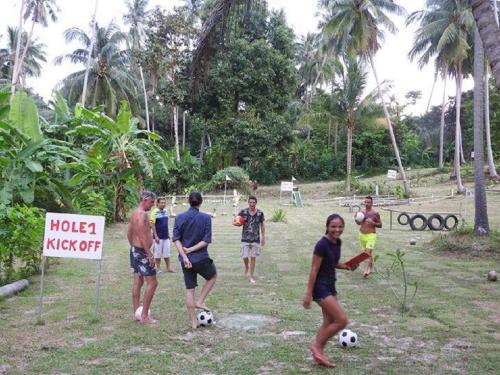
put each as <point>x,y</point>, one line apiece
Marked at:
<point>446,221</point>
<point>430,222</point>
<point>413,226</point>
<point>403,215</point>
<point>358,208</point>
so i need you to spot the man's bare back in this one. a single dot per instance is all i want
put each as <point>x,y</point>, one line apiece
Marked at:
<point>139,231</point>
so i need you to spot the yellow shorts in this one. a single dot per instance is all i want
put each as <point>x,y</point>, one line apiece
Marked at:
<point>367,240</point>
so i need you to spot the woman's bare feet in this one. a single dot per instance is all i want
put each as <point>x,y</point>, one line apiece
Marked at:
<point>319,357</point>
<point>201,306</point>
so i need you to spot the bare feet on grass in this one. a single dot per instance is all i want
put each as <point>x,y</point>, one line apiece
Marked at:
<point>319,357</point>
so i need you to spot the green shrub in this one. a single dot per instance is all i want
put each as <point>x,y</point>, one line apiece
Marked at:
<point>239,180</point>
<point>463,241</point>
<point>93,203</point>
<point>278,216</point>
<point>21,236</point>
<point>181,177</point>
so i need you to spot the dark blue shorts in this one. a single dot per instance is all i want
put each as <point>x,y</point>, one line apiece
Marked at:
<point>206,268</point>
<point>323,289</point>
<point>140,263</point>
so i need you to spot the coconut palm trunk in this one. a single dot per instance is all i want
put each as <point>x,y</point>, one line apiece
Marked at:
<point>183,130</point>
<point>175,110</point>
<point>462,156</point>
<point>432,90</point>
<point>349,159</point>
<point>145,98</point>
<point>19,68</point>
<point>89,56</point>
<point>458,102</point>
<point>391,130</point>
<point>487,23</point>
<point>18,49</point>
<point>491,161</point>
<point>441,126</point>
<point>481,225</point>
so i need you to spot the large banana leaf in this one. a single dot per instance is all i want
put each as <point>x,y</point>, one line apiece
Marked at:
<point>61,109</point>
<point>24,116</point>
<point>123,118</point>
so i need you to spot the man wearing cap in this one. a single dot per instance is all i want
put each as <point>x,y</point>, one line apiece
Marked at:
<point>142,260</point>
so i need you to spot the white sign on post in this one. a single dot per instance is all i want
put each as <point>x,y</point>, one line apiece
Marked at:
<point>286,185</point>
<point>391,173</point>
<point>73,236</point>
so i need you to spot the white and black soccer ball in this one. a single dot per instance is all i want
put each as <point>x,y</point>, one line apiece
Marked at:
<point>348,339</point>
<point>138,312</point>
<point>359,217</point>
<point>205,318</point>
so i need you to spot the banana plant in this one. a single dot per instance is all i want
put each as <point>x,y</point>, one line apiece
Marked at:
<point>29,161</point>
<point>118,153</point>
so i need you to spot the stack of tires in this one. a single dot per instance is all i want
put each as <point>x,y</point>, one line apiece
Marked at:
<point>434,222</point>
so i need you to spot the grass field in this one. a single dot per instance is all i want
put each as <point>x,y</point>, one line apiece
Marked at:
<point>452,327</point>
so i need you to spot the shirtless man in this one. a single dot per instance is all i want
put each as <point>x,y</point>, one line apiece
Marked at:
<point>141,258</point>
<point>367,231</point>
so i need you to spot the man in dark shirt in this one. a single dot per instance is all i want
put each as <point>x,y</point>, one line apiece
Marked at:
<point>192,233</point>
<point>252,236</point>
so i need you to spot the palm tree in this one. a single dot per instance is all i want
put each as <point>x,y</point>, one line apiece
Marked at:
<point>358,27</point>
<point>110,79</point>
<point>486,17</point>
<point>491,161</point>
<point>18,46</point>
<point>350,105</point>
<point>441,125</point>
<point>91,47</point>
<point>136,17</point>
<point>39,11</point>
<point>34,56</point>
<point>481,225</point>
<point>444,32</point>
<point>309,65</point>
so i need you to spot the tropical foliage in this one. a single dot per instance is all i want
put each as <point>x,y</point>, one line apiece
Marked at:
<point>178,100</point>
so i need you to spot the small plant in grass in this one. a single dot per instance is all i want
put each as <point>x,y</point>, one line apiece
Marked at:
<point>279,216</point>
<point>404,291</point>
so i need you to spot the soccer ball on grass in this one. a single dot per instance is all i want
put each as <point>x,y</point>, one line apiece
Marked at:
<point>138,312</point>
<point>205,318</point>
<point>348,339</point>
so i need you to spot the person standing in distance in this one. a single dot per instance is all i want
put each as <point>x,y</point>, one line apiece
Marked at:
<point>141,258</point>
<point>368,232</point>
<point>192,234</point>
<point>159,226</point>
<point>252,236</point>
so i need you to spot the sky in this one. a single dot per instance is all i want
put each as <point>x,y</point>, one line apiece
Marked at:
<point>391,61</point>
